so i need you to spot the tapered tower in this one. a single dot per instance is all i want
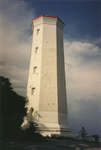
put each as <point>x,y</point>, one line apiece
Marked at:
<point>46,89</point>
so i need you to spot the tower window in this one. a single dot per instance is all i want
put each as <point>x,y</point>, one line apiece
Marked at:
<point>33,91</point>
<point>36,49</point>
<point>35,69</point>
<point>38,30</point>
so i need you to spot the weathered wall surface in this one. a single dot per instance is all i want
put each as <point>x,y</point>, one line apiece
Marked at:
<point>46,88</point>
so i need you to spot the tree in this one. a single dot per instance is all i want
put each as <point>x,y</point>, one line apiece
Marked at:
<point>12,112</point>
<point>83,132</point>
<point>96,138</point>
<point>12,108</point>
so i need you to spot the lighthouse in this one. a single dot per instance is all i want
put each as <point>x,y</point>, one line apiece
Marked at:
<point>46,87</point>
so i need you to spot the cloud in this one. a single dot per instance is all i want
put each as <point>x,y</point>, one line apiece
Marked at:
<point>15,41</point>
<point>85,52</point>
<point>98,42</point>
<point>83,72</point>
<point>83,61</point>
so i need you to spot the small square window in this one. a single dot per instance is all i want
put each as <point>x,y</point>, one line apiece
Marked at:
<point>34,69</point>
<point>33,91</point>
<point>38,30</point>
<point>36,49</point>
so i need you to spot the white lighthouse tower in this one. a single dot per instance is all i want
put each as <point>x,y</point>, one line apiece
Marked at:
<point>46,89</point>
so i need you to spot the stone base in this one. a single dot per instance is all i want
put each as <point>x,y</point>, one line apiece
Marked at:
<point>57,131</point>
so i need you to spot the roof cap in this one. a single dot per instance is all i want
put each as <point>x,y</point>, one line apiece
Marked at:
<point>49,16</point>
<point>44,16</point>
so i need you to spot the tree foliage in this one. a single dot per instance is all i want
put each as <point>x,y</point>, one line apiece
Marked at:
<point>12,109</point>
<point>12,112</point>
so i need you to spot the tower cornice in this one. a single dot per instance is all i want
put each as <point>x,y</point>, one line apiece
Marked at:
<point>47,16</point>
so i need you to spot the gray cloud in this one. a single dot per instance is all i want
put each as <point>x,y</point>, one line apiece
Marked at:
<point>83,72</point>
<point>15,41</point>
<point>83,77</point>
<point>98,42</point>
<point>86,52</point>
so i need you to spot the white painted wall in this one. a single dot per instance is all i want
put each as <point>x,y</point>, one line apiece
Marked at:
<point>49,99</point>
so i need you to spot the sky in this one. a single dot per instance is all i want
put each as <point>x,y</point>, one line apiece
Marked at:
<point>82,48</point>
